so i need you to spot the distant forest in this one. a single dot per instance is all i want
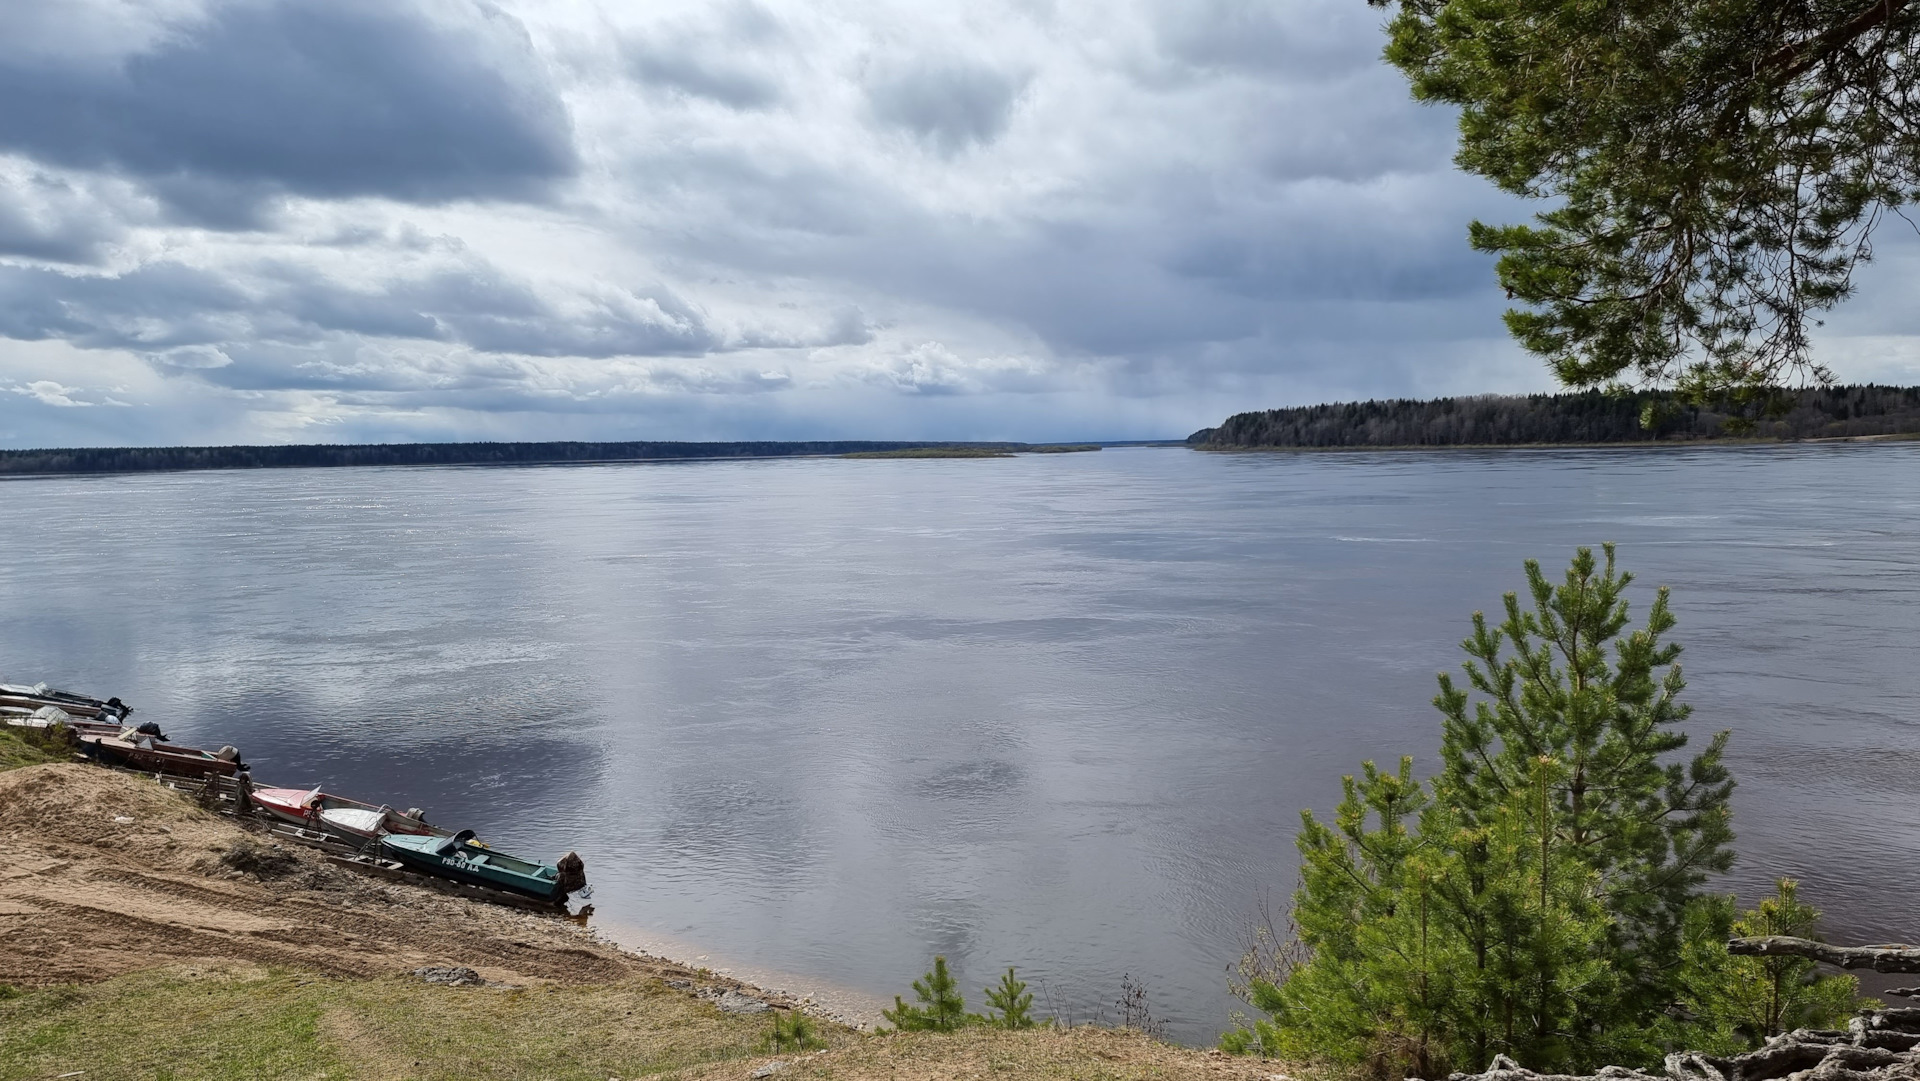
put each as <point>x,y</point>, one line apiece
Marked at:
<point>155,459</point>
<point>1589,417</point>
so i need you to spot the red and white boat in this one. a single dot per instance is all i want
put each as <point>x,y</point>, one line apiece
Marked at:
<point>311,808</point>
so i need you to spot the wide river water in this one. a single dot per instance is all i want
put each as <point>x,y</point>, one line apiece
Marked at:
<point>833,717</point>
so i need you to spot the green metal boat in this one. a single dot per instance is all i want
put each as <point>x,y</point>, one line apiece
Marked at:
<point>458,857</point>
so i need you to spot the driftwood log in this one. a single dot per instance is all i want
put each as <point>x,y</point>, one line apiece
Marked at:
<point>1878,1045</point>
<point>1895,958</point>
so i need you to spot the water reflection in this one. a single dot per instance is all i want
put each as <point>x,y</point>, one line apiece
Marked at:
<point>833,717</point>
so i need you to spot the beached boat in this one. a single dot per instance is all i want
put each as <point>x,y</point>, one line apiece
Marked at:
<point>81,706</point>
<point>459,858</point>
<point>314,809</point>
<point>140,752</point>
<point>48,716</point>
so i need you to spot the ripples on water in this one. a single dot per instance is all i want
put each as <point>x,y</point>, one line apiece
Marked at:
<point>1059,711</point>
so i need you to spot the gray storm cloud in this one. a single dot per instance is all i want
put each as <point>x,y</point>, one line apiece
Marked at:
<point>269,219</point>
<point>953,104</point>
<point>56,219</point>
<point>168,306</point>
<point>723,59</point>
<point>419,102</point>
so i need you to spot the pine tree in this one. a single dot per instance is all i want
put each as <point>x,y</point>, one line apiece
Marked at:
<point>1531,899</point>
<point>1012,999</point>
<point>1530,926</point>
<point>1358,994</point>
<point>1434,943</point>
<point>941,1009</point>
<point>1568,680</point>
<point>1734,1004</point>
<point>1713,171</point>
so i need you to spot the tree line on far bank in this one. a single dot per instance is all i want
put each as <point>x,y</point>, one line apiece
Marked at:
<point>1586,417</point>
<point>158,459</point>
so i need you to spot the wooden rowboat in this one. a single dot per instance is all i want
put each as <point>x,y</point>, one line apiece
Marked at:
<point>459,858</point>
<point>48,716</point>
<point>79,705</point>
<point>314,809</point>
<point>148,757</point>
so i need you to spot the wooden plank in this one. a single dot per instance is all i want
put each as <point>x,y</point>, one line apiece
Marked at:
<point>312,839</point>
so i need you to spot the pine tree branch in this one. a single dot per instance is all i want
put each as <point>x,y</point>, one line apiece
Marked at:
<point>1899,958</point>
<point>1801,57</point>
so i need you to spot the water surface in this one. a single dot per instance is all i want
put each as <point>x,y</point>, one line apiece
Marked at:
<point>1058,712</point>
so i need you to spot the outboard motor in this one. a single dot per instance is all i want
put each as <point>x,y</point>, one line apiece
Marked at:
<point>573,873</point>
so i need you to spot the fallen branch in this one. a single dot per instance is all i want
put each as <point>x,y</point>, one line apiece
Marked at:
<point>1878,1045</point>
<point>1900,958</point>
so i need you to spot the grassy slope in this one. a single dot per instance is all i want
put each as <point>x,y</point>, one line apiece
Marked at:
<point>254,1023</point>
<point>16,751</point>
<point>243,1024</point>
<point>246,1023</point>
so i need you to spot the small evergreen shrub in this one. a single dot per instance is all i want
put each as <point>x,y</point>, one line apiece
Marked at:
<point>1530,899</point>
<point>1735,1004</point>
<point>942,1008</point>
<point>1008,1003</point>
<point>791,1031</point>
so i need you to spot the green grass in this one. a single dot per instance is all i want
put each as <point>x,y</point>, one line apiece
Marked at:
<point>173,1025</point>
<point>168,1029</point>
<point>251,1024</point>
<point>18,748</point>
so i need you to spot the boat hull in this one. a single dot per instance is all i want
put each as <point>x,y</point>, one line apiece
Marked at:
<point>31,698</point>
<point>39,719</point>
<point>314,809</point>
<point>281,803</point>
<point>459,859</point>
<point>180,761</point>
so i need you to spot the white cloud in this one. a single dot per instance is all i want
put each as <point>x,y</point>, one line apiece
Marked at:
<point>759,218</point>
<point>48,392</point>
<point>932,368</point>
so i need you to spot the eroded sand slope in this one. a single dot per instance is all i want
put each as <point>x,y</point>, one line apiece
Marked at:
<point>108,873</point>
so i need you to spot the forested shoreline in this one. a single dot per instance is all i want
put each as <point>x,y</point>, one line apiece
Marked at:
<point>306,456</point>
<point>1587,417</point>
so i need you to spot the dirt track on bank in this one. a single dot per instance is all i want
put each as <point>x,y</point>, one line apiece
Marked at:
<point>108,873</point>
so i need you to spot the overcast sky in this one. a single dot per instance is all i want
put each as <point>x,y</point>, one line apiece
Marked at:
<point>288,221</point>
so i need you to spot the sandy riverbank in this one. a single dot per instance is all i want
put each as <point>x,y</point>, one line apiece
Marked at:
<point>847,1005</point>
<point>133,923</point>
<point>109,873</point>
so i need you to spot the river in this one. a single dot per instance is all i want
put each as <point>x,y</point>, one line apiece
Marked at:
<point>833,717</point>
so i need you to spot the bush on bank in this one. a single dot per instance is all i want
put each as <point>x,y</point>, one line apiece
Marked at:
<point>1542,895</point>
